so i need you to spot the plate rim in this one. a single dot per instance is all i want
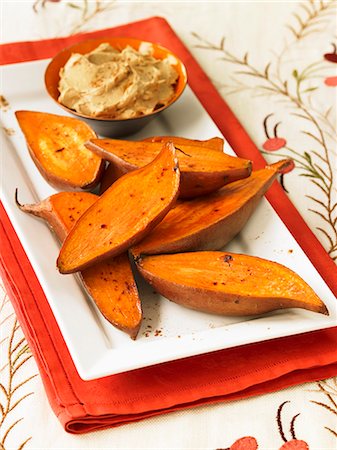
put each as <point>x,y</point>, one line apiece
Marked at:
<point>84,373</point>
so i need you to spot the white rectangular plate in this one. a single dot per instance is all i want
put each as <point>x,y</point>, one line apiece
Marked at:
<point>168,331</point>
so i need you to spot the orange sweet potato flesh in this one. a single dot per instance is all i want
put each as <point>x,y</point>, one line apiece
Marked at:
<point>56,145</point>
<point>110,283</point>
<point>203,170</point>
<point>215,143</point>
<point>210,222</point>
<point>227,283</point>
<point>124,214</point>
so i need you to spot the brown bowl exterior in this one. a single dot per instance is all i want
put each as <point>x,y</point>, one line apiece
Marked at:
<point>103,125</point>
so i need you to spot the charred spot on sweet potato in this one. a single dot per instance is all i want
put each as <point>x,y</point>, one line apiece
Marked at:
<point>228,258</point>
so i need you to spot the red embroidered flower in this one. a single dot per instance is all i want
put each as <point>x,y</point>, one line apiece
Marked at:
<point>273,143</point>
<point>295,444</point>
<point>331,81</point>
<point>245,443</point>
<point>331,57</point>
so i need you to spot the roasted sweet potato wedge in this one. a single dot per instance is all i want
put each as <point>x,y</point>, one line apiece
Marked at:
<point>215,143</point>
<point>61,211</point>
<point>113,172</point>
<point>124,214</point>
<point>227,283</point>
<point>56,145</point>
<point>209,222</point>
<point>110,283</point>
<point>112,286</point>
<point>203,170</point>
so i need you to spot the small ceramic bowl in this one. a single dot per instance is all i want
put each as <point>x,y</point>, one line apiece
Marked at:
<point>102,125</point>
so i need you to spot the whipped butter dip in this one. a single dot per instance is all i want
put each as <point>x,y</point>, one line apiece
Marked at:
<point>116,84</point>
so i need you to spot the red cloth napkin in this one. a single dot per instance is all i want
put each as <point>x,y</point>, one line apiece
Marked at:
<point>235,373</point>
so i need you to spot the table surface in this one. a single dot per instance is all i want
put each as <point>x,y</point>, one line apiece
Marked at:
<point>275,65</point>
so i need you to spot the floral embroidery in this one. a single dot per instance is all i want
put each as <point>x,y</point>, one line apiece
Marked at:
<point>15,347</point>
<point>87,10</point>
<point>273,143</point>
<point>245,443</point>
<point>250,443</point>
<point>329,388</point>
<point>293,443</point>
<point>332,57</point>
<point>37,3</point>
<point>312,18</point>
<point>331,81</point>
<point>314,122</point>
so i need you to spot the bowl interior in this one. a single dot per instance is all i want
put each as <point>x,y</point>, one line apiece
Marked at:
<point>52,74</point>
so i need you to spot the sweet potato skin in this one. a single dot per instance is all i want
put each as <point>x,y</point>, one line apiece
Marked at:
<point>203,170</point>
<point>110,175</point>
<point>215,143</point>
<point>60,211</point>
<point>110,284</point>
<point>210,222</point>
<point>228,284</point>
<point>56,145</point>
<point>107,228</point>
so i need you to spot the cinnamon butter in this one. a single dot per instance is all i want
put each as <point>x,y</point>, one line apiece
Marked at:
<point>116,84</point>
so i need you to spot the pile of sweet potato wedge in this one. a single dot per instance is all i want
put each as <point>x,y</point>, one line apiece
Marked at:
<point>160,199</point>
